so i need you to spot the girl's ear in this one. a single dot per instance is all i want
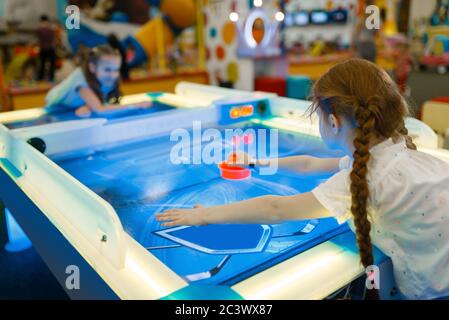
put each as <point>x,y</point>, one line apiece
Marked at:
<point>92,67</point>
<point>335,123</point>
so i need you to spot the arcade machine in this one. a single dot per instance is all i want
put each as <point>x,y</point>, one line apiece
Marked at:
<point>105,181</point>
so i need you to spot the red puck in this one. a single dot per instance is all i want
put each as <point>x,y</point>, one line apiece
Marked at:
<point>233,173</point>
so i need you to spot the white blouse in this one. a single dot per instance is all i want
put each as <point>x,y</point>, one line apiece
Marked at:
<point>409,212</point>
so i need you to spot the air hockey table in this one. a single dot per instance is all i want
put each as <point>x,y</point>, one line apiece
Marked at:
<point>88,201</point>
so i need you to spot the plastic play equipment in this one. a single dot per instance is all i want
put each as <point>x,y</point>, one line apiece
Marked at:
<point>437,54</point>
<point>159,33</point>
<point>143,43</point>
<point>23,62</point>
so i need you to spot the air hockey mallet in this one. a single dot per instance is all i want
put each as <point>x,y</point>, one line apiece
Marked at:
<point>233,172</point>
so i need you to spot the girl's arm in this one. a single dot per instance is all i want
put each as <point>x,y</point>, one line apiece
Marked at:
<point>298,165</point>
<point>262,210</point>
<point>305,165</point>
<point>94,104</point>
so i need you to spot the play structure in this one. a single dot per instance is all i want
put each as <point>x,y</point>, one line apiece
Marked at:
<point>436,55</point>
<point>440,15</point>
<point>167,48</point>
<point>149,42</point>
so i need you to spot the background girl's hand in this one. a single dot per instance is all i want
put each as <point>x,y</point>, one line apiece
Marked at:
<point>183,217</point>
<point>239,159</point>
<point>83,112</point>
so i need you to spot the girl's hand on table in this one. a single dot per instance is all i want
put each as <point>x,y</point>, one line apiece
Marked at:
<point>183,217</point>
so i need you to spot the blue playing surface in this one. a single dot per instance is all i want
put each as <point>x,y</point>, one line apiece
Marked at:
<point>204,239</point>
<point>139,180</point>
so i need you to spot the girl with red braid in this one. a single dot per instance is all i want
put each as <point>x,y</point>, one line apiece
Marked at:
<point>393,196</point>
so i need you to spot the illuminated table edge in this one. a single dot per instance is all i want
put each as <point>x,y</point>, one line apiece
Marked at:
<point>313,274</point>
<point>150,279</point>
<point>21,115</point>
